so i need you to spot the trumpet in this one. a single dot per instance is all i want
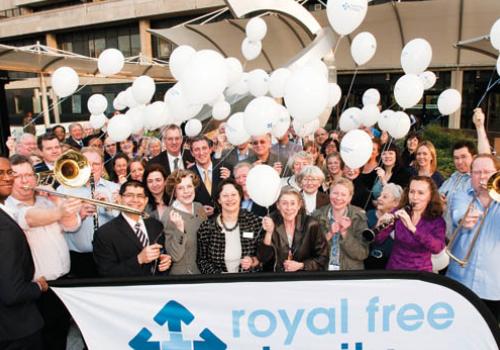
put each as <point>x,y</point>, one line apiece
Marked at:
<point>493,188</point>
<point>72,169</point>
<point>370,234</point>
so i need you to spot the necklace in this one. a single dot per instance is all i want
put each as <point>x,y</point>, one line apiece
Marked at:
<point>228,229</point>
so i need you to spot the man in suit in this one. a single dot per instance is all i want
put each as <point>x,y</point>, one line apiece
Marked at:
<point>172,158</point>
<point>75,138</point>
<point>50,148</point>
<point>129,245</point>
<point>263,155</point>
<point>209,174</point>
<point>20,321</point>
<point>231,157</point>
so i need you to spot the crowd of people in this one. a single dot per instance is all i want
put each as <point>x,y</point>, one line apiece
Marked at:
<point>200,218</point>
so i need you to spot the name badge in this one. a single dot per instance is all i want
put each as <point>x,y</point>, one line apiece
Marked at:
<point>248,235</point>
<point>333,267</point>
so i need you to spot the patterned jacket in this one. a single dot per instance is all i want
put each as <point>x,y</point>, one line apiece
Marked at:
<point>212,242</point>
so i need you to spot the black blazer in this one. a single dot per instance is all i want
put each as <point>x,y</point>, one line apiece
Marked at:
<point>230,158</point>
<point>162,159</point>
<point>116,247</point>
<point>19,316</point>
<point>70,141</point>
<point>201,194</point>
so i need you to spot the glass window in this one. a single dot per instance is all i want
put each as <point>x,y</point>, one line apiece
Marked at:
<point>76,103</point>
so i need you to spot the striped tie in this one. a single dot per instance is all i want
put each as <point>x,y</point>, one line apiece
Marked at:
<point>141,235</point>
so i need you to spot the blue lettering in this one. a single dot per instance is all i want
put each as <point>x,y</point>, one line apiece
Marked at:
<point>262,333</point>
<point>291,327</point>
<point>410,317</point>
<point>237,315</point>
<point>372,309</point>
<point>433,315</point>
<point>328,328</point>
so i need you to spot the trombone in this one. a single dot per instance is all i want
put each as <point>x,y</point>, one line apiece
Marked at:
<point>72,169</point>
<point>493,187</point>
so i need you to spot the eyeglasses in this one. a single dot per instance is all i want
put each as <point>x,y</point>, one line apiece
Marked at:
<point>310,179</point>
<point>262,142</point>
<point>133,195</point>
<point>483,172</point>
<point>8,173</point>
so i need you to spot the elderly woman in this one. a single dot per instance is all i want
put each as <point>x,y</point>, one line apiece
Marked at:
<point>154,148</point>
<point>343,224</point>
<point>228,242</point>
<point>296,163</point>
<point>426,163</point>
<point>155,179</point>
<point>181,221</point>
<point>387,201</point>
<point>419,229</point>
<point>293,240</point>
<point>310,179</point>
<point>334,165</point>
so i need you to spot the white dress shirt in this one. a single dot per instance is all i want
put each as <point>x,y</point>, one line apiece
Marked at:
<point>132,224</point>
<point>171,160</point>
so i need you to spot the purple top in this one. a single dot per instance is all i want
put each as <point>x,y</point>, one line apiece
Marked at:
<point>413,251</point>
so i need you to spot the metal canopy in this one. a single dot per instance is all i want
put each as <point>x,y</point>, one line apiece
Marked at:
<point>44,60</point>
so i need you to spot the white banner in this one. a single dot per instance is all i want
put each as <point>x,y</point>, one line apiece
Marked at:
<point>382,314</point>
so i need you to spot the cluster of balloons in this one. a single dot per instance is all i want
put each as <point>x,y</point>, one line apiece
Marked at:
<point>251,46</point>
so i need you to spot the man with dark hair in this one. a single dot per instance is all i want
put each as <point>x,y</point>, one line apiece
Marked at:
<point>172,157</point>
<point>20,320</point>
<point>50,148</point>
<point>130,245</point>
<point>60,133</point>
<point>201,149</point>
<point>463,153</point>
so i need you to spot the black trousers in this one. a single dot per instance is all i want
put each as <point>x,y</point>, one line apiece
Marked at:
<point>494,306</point>
<point>57,321</point>
<point>30,342</point>
<point>82,265</point>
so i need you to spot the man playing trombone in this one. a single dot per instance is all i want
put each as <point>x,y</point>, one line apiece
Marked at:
<point>475,263</point>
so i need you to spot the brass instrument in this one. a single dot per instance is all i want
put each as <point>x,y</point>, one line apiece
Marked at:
<point>493,187</point>
<point>72,169</point>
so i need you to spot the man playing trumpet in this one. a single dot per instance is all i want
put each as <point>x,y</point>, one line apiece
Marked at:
<point>472,211</point>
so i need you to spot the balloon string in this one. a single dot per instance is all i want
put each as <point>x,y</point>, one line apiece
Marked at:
<point>52,106</point>
<point>350,89</point>
<point>337,45</point>
<point>488,88</point>
<point>224,158</point>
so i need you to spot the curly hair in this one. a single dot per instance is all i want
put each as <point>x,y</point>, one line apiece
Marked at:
<point>434,208</point>
<point>176,177</point>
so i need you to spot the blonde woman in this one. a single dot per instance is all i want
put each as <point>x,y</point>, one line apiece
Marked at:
<point>426,163</point>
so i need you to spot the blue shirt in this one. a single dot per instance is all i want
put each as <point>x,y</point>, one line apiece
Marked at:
<point>81,240</point>
<point>457,183</point>
<point>482,273</point>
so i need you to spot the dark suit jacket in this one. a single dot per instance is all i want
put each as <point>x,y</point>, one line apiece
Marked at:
<point>230,158</point>
<point>41,167</point>
<point>19,316</point>
<point>162,159</point>
<point>273,158</point>
<point>70,141</point>
<point>201,195</point>
<point>322,199</point>
<point>116,247</point>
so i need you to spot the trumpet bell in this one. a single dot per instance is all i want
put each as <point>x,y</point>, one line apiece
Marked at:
<point>72,169</point>
<point>493,186</point>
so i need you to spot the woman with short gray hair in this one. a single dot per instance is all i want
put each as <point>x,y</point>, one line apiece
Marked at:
<point>310,180</point>
<point>296,163</point>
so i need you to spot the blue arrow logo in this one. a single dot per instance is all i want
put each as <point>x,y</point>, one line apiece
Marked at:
<point>141,341</point>
<point>210,342</point>
<point>173,314</point>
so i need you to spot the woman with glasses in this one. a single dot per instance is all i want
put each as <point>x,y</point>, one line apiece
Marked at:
<point>342,224</point>
<point>155,180</point>
<point>228,242</point>
<point>181,221</point>
<point>293,240</point>
<point>311,178</point>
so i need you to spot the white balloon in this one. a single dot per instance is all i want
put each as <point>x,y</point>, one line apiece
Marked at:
<point>449,101</point>
<point>206,77</point>
<point>234,70</point>
<point>363,48</point>
<point>408,90</point>
<point>235,130</point>
<point>267,195</point>
<point>220,98</point>
<point>416,56</point>
<point>193,127</point>
<point>305,129</point>
<point>155,115</point>
<point>221,110</point>
<point>256,29</point>
<point>143,89</point>
<point>356,148</point>
<point>120,101</point>
<point>138,119</point>
<point>282,123</point>
<point>97,104</point>
<point>428,79</point>
<point>440,261</point>
<point>306,94</point>
<point>277,82</point>
<point>251,49</point>
<point>498,65</point>
<point>400,125</point>
<point>385,119</point>
<point>240,87</point>
<point>346,15</point>
<point>179,60</point>
<point>334,94</point>
<point>110,62</point>
<point>97,121</point>
<point>495,35</point>
<point>350,119</point>
<point>64,81</point>
<point>369,115</point>
<point>129,99</point>
<point>260,116</point>
<point>179,106</point>
<point>119,128</point>
<point>258,82</point>
<point>371,97</point>
<point>319,66</point>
